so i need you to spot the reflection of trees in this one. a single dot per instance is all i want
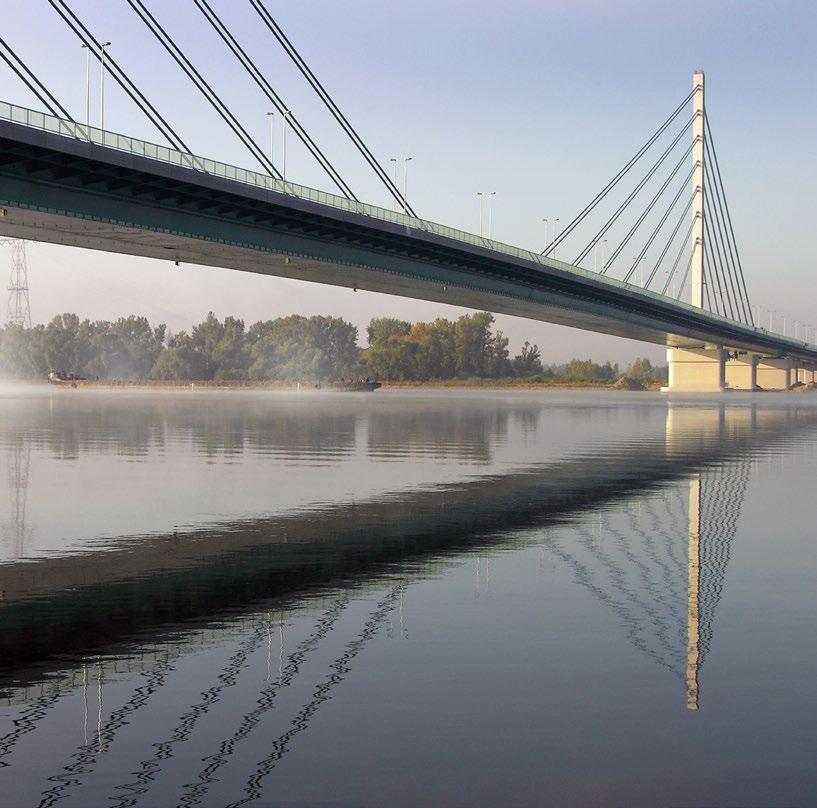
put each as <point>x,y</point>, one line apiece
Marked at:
<point>459,434</point>
<point>133,427</point>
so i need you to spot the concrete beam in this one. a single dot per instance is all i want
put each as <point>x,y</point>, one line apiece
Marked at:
<point>741,372</point>
<point>696,370</point>
<point>774,374</point>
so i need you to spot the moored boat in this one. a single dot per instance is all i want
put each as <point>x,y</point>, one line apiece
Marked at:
<point>353,386</point>
<point>60,377</point>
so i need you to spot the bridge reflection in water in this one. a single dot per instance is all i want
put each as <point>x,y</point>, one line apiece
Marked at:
<point>647,530</point>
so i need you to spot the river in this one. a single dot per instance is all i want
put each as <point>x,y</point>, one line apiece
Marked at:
<point>407,598</point>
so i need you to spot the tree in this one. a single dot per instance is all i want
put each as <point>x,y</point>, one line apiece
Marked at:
<point>586,370</point>
<point>472,334</point>
<point>641,369</point>
<point>529,361</point>
<point>297,348</point>
<point>179,361</point>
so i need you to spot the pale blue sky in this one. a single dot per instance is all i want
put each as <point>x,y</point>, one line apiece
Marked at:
<point>539,101</point>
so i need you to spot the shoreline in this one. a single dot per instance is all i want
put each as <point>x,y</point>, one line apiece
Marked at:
<point>453,384</point>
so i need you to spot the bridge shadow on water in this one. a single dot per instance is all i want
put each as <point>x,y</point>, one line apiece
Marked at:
<point>645,529</point>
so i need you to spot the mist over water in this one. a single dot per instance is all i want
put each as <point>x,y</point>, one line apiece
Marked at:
<point>409,597</point>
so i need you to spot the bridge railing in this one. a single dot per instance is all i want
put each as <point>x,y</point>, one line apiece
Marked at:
<point>154,151</point>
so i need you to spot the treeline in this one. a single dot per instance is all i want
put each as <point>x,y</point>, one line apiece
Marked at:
<point>286,349</point>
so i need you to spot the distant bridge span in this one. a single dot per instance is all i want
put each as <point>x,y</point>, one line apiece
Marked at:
<point>69,184</point>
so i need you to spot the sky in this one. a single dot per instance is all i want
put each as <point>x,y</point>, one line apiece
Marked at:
<point>541,102</point>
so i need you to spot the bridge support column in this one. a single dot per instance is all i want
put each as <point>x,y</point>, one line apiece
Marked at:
<point>805,375</point>
<point>696,370</point>
<point>741,372</point>
<point>774,374</point>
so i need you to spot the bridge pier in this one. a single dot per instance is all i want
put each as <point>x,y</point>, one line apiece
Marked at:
<point>774,373</point>
<point>696,370</point>
<point>805,375</point>
<point>741,372</point>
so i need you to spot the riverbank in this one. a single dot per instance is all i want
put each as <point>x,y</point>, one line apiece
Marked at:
<point>443,384</point>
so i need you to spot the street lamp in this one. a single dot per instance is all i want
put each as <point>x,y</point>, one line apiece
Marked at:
<point>271,116</point>
<point>490,212</point>
<point>555,234</point>
<point>393,161</point>
<point>481,199</point>
<point>546,233</point>
<point>102,84</point>
<point>87,84</point>
<point>286,114</point>
<point>406,161</point>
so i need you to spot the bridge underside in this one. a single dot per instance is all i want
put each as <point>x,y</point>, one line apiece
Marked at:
<point>67,191</point>
<point>448,287</point>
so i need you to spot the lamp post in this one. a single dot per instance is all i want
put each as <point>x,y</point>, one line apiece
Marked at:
<point>481,199</point>
<point>546,233</point>
<point>771,320</point>
<point>271,116</point>
<point>286,113</point>
<point>87,85</point>
<point>555,234</point>
<point>406,161</point>
<point>490,212</point>
<point>102,84</point>
<point>393,161</point>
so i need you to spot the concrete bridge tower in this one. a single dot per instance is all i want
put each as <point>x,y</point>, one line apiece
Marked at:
<point>698,187</point>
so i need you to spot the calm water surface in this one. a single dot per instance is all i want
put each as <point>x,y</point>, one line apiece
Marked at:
<point>407,598</point>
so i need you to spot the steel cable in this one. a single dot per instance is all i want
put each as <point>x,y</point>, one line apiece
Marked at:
<point>728,215</point>
<point>670,240</point>
<point>32,82</point>
<point>621,174</point>
<point>660,224</point>
<point>119,75</point>
<point>646,211</point>
<point>204,88</point>
<point>266,88</point>
<point>329,102</point>
<point>612,220</point>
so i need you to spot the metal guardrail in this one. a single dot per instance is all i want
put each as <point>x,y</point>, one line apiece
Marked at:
<point>153,151</point>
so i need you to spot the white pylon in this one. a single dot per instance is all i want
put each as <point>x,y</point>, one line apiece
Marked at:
<point>19,309</point>
<point>699,167</point>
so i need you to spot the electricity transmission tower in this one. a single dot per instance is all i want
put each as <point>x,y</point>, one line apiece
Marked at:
<point>19,310</point>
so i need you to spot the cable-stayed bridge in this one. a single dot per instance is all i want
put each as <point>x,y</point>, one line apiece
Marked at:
<point>659,230</point>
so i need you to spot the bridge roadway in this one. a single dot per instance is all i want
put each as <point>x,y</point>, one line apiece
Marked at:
<point>74,185</point>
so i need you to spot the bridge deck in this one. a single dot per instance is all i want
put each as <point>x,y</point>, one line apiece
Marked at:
<point>75,185</point>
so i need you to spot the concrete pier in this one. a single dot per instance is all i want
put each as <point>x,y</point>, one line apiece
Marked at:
<point>774,374</point>
<point>741,372</point>
<point>696,370</point>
